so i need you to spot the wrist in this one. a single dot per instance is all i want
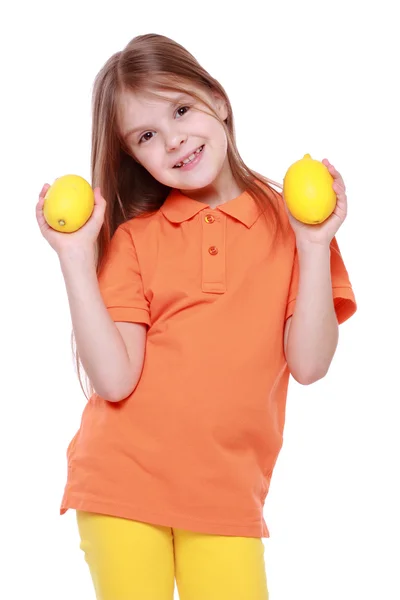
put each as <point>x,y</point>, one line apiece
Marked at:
<point>85,256</point>
<point>314,257</point>
<point>305,247</point>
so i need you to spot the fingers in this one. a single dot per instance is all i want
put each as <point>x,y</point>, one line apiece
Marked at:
<point>339,188</point>
<point>99,201</point>
<point>341,201</point>
<point>338,179</point>
<point>44,190</point>
<point>99,209</point>
<point>39,205</point>
<point>42,194</point>
<point>39,208</point>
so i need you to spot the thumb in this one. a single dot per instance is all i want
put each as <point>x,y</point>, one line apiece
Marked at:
<point>99,201</point>
<point>100,205</point>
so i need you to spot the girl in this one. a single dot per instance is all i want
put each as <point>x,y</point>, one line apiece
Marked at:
<point>193,295</point>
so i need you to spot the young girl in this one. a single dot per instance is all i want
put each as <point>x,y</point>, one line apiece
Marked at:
<point>193,296</point>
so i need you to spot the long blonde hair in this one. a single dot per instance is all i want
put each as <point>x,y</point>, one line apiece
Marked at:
<point>151,62</point>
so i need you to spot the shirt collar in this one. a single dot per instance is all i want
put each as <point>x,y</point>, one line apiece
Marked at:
<point>178,208</point>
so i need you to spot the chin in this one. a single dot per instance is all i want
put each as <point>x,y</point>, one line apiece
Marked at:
<point>196,183</point>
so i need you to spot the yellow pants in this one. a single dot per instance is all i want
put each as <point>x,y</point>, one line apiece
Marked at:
<point>129,560</point>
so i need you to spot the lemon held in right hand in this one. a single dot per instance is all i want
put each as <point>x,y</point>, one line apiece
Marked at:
<point>308,192</point>
<point>68,204</point>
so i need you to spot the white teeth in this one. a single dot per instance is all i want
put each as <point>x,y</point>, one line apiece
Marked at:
<point>190,158</point>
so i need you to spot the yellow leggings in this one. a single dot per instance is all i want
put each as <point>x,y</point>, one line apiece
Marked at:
<point>129,560</point>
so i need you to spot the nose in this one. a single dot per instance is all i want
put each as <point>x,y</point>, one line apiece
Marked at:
<point>174,140</point>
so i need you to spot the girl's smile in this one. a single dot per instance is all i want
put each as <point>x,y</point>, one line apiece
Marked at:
<point>190,161</point>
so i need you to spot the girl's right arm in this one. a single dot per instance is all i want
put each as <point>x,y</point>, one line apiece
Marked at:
<point>112,354</point>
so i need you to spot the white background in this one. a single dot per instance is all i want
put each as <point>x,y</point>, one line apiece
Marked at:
<point>304,77</point>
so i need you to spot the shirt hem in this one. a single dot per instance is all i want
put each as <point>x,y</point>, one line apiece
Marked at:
<point>169,519</point>
<point>129,315</point>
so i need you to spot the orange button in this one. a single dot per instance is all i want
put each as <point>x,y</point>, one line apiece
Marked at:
<point>209,219</point>
<point>213,250</point>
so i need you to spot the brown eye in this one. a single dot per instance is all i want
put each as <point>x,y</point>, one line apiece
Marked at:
<point>184,109</point>
<point>146,137</point>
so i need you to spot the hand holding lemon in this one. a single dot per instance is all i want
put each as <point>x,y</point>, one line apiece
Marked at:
<point>315,197</point>
<point>70,206</point>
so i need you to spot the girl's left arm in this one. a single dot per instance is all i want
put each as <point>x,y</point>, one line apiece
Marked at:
<point>311,334</point>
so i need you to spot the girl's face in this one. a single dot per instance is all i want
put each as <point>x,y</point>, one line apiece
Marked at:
<point>176,138</point>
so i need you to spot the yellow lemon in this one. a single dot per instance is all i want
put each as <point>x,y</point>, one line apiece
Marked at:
<point>307,188</point>
<point>69,203</point>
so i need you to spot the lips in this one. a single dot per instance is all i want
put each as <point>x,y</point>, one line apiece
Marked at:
<point>188,158</point>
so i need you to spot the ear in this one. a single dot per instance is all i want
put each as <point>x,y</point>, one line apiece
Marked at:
<point>220,106</point>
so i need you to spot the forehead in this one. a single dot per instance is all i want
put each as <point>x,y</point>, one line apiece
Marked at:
<point>148,99</point>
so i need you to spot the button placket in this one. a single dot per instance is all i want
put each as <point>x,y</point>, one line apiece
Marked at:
<point>213,253</point>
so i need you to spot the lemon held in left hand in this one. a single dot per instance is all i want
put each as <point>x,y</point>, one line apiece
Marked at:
<point>68,204</point>
<point>308,192</point>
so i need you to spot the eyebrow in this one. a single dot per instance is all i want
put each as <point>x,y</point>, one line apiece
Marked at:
<point>178,100</point>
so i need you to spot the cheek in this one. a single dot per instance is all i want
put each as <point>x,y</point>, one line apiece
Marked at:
<point>220,138</point>
<point>150,158</point>
<point>210,128</point>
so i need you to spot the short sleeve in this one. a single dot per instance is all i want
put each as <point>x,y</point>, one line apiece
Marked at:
<point>120,281</point>
<point>343,295</point>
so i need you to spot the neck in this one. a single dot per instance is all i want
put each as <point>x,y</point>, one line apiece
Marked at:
<point>221,190</point>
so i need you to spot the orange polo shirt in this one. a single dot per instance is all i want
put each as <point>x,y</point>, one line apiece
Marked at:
<point>195,445</point>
